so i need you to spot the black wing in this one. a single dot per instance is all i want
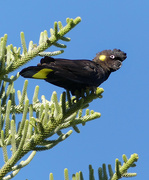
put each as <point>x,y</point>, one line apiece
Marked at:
<point>70,74</point>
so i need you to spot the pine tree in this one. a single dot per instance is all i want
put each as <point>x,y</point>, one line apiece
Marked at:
<point>46,118</point>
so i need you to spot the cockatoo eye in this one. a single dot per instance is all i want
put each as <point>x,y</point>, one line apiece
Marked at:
<point>112,57</point>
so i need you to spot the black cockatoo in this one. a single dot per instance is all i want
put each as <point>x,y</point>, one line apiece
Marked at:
<point>77,74</point>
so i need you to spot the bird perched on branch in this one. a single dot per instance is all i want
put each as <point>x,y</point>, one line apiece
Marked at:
<point>77,74</point>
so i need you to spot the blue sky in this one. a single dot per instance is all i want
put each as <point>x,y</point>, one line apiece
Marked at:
<point>124,124</point>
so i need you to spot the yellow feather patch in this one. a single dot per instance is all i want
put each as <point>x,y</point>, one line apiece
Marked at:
<point>42,74</point>
<point>102,57</point>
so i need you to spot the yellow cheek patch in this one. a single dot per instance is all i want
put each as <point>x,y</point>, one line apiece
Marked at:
<point>102,57</point>
<point>42,74</point>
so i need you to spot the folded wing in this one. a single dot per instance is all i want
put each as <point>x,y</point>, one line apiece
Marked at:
<point>64,72</point>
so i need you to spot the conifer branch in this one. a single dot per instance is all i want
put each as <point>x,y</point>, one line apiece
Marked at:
<point>16,59</point>
<point>51,117</point>
<point>121,171</point>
